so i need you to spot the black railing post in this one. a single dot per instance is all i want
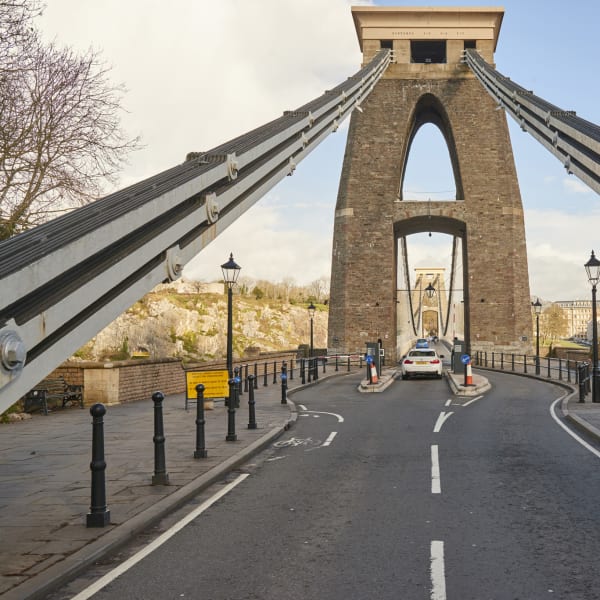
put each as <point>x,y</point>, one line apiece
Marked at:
<point>348,363</point>
<point>231,404</point>
<point>569,370</point>
<point>549,375</point>
<point>238,374</point>
<point>524,363</point>
<point>274,372</point>
<point>493,360</point>
<point>265,383</point>
<point>512,362</point>
<point>160,477</point>
<point>502,361</point>
<point>324,364</point>
<point>246,377</point>
<point>581,381</point>
<point>316,366</point>
<point>560,369</point>
<point>99,515</point>
<point>251,405</point>
<point>200,451</point>
<point>336,362</point>
<point>283,383</point>
<point>302,371</point>
<point>255,376</point>
<point>309,369</point>
<point>292,369</point>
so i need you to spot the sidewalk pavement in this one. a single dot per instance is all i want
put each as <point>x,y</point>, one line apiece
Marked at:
<point>45,476</point>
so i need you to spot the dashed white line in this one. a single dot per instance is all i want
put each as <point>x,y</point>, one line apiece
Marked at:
<point>329,438</point>
<point>441,419</point>
<point>438,571</point>
<point>449,402</point>
<point>436,486</point>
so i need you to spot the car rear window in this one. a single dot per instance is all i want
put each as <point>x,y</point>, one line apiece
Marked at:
<point>422,353</point>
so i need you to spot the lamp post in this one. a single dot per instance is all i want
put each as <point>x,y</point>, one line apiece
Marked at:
<point>537,306</point>
<point>592,268</point>
<point>430,293</point>
<point>231,271</point>
<point>311,312</point>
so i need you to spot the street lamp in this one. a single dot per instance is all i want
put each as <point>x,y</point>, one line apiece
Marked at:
<point>592,268</point>
<point>537,307</point>
<point>311,312</point>
<point>430,293</point>
<point>231,271</point>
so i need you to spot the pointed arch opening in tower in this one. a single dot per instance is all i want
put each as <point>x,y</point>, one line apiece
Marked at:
<point>428,175</point>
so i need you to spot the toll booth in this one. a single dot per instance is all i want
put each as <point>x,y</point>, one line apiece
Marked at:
<point>458,349</point>
<point>373,351</point>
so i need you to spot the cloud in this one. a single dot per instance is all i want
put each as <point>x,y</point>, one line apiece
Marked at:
<point>576,186</point>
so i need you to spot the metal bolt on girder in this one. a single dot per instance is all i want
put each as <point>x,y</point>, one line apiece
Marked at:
<point>12,351</point>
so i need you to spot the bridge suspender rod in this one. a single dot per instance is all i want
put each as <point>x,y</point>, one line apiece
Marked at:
<point>62,282</point>
<point>574,141</point>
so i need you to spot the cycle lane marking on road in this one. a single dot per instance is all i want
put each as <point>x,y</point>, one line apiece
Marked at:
<point>159,541</point>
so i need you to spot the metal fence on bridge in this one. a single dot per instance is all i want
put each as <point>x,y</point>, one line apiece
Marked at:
<point>557,369</point>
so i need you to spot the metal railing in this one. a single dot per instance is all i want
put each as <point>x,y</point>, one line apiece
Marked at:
<point>556,369</point>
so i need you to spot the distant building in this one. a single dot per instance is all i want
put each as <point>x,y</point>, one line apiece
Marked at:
<point>579,316</point>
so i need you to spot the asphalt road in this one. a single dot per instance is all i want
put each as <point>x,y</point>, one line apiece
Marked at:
<point>408,494</point>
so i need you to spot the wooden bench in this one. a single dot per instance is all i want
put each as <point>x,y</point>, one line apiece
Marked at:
<point>53,389</point>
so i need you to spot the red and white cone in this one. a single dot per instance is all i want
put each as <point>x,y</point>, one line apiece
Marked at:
<point>373,373</point>
<point>469,375</point>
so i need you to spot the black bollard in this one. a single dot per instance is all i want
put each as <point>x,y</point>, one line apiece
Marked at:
<point>231,404</point>
<point>200,451</point>
<point>160,477</point>
<point>251,404</point>
<point>283,383</point>
<point>99,515</point>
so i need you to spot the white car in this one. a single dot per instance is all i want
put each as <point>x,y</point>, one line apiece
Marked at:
<point>422,361</point>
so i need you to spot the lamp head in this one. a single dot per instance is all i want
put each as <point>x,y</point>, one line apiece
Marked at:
<point>231,271</point>
<point>592,268</point>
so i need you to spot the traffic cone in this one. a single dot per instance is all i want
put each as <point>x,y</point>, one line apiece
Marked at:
<point>469,376</point>
<point>373,373</point>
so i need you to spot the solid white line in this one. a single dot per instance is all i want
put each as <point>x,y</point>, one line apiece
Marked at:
<point>573,435</point>
<point>471,401</point>
<point>329,438</point>
<point>438,424</point>
<point>301,407</point>
<point>159,541</point>
<point>438,575</point>
<point>436,486</point>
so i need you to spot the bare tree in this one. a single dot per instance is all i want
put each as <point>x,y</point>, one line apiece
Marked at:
<point>60,135</point>
<point>16,31</point>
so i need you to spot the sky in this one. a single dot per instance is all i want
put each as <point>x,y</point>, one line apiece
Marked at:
<point>201,72</point>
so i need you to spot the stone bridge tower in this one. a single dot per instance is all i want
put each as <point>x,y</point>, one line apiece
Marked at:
<point>427,83</point>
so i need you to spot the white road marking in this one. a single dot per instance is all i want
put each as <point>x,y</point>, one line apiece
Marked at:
<point>474,400</point>
<point>573,435</point>
<point>441,419</point>
<point>448,402</point>
<point>159,541</point>
<point>301,407</point>
<point>438,574</point>
<point>436,486</point>
<point>338,417</point>
<point>329,438</point>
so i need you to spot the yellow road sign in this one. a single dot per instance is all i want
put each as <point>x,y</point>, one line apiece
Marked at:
<point>215,384</point>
